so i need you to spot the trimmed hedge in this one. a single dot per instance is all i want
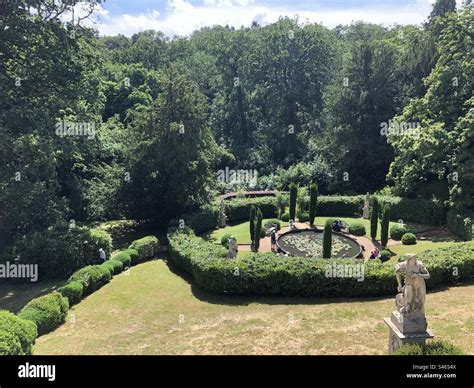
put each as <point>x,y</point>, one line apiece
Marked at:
<point>415,210</point>
<point>409,239</point>
<point>121,231</point>
<point>91,277</point>
<point>125,258</point>
<point>459,225</point>
<point>114,266</point>
<point>147,248</point>
<point>357,229</point>
<point>397,231</point>
<point>204,219</point>
<point>60,250</point>
<point>267,274</point>
<point>436,348</point>
<point>73,291</point>
<point>17,335</point>
<point>48,312</point>
<point>239,209</point>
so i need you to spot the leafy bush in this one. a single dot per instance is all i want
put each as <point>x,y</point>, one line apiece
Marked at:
<point>385,256</point>
<point>203,219</point>
<point>459,225</point>
<point>285,217</point>
<point>303,217</point>
<point>17,335</point>
<point>60,250</point>
<point>134,256</point>
<point>91,277</point>
<point>72,291</point>
<point>114,266</point>
<point>415,210</point>
<point>274,221</point>
<point>239,209</point>
<point>147,247</point>
<point>357,229</point>
<point>436,348</point>
<point>408,239</point>
<point>121,231</point>
<point>397,231</point>
<point>124,257</point>
<point>225,240</point>
<point>266,274</point>
<point>48,312</point>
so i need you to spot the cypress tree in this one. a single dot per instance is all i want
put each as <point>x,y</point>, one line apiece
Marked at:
<point>384,225</point>
<point>374,218</point>
<point>293,195</point>
<point>313,193</point>
<point>258,228</point>
<point>327,240</point>
<point>253,213</point>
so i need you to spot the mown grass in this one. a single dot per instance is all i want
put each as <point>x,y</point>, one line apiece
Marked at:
<point>153,310</point>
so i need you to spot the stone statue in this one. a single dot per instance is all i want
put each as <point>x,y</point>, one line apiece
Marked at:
<point>408,322</point>
<point>292,225</point>
<point>233,248</point>
<point>222,216</point>
<point>365,211</point>
<point>410,301</point>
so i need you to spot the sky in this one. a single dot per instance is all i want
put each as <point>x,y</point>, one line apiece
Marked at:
<point>182,17</point>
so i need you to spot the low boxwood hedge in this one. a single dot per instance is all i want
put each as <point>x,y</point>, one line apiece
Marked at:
<point>124,258</point>
<point>91,277</point>
<point>267,274</point>
<point>73,291</point>
<point>48,312</point>
<point>147,248</point>
<point>17,335</point>
<point>115,266</point>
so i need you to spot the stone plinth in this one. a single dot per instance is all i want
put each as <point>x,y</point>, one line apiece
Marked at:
<point>404,331</point>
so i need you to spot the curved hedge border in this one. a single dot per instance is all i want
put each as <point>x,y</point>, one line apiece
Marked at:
<point>267,274</point>
<point>46,313</point>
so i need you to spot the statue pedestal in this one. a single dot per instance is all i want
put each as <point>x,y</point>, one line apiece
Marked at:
<point>403,331</point>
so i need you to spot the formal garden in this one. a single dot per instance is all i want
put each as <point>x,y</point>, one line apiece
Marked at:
<point>285,188</point>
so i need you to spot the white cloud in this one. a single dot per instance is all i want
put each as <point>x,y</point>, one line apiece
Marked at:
<point>182,18</point>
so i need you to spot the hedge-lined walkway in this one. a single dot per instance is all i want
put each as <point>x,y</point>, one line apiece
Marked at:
<point>154,311</point>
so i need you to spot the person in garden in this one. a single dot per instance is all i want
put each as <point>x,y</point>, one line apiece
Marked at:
<point>273,240</point>
<point>102,255</point>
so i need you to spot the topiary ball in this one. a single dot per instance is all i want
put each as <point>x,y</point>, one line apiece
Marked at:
<point>357,229</point>
<point>397,231</point>
<point>409,239</point>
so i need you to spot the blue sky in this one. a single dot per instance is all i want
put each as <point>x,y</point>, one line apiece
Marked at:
<point>181,17</point>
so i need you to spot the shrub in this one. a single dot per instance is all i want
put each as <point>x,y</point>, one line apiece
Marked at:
<point>374,218</point>
<point>17,335</point>
<point>147,247</point>
<point>60,250</point>
<point>341,206</point>
<point>114,266</point>
<point>121,231</point>
<point>293,198</point>
<point>397,231</point>
<point>357,229</point>
<point>225,240</point>
<point>436,348</point>
<point>384,225</point>
<point>285,217</point>
<point>415,210</point>
<point>327,240</point>
<point>274,221</point>
<point>91,277</point>
<point>134,256</point>
<point>72,291</point>
<point>459,225</point>
<point>266,274</point>
<point>408,239</point>
<point>203,219</point>
<point>385,256</point>
<point>303,217</point>
<point>48,312</point>
<point>239,209</point>
<point>313,199</point>
<point>124,257</point>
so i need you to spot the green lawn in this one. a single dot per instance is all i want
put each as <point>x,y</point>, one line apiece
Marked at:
<point>153,310</point>
<point>420,246</point>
